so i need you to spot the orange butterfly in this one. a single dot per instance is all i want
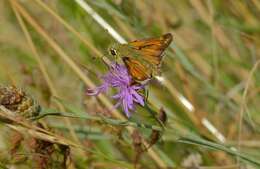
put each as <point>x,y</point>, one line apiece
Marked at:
<point>142,57</point>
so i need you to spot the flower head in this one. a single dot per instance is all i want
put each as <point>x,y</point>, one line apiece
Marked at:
<point>127,95</point>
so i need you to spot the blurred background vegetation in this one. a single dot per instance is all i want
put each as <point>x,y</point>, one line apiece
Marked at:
<point>52,49</point>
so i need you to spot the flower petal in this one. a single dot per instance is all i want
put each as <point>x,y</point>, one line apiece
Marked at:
<point>97,90</point>
<point>126,108</point>
<point>138,98</point>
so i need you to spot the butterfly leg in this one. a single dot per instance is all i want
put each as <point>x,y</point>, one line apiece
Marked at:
<point>146,95</point>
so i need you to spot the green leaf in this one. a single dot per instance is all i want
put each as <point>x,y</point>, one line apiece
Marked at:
<point>215,146</point>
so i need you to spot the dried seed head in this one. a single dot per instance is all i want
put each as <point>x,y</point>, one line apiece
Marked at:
<point>162,116</point>
<point>154,138</point>
<point>136,137</point>
<point>18,101</point>
<point>10,96</point>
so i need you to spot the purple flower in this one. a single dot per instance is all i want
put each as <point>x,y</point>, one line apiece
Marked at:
<point>127,95</point>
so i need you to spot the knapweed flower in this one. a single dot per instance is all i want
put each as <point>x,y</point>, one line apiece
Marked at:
<point>127,92</point>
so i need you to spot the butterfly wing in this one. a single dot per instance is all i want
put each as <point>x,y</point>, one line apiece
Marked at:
<point>136,69</point>
<point>152,49</point>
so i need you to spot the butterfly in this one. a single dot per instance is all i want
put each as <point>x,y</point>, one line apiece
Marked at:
<point>143,57</point>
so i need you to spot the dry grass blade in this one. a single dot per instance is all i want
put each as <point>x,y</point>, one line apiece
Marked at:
<point>101,21</point>
<point>71,29</point>
<point>43,70</point>
<point>218,31</point>
<point>25,127</point>
<point>243,106</point>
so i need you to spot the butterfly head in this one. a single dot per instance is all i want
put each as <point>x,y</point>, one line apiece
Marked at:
<point>114,51</point>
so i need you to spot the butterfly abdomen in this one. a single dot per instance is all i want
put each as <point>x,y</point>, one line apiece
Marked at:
<point>167,39</point>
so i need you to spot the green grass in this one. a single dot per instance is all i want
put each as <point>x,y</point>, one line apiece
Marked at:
<point>213,62</point>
